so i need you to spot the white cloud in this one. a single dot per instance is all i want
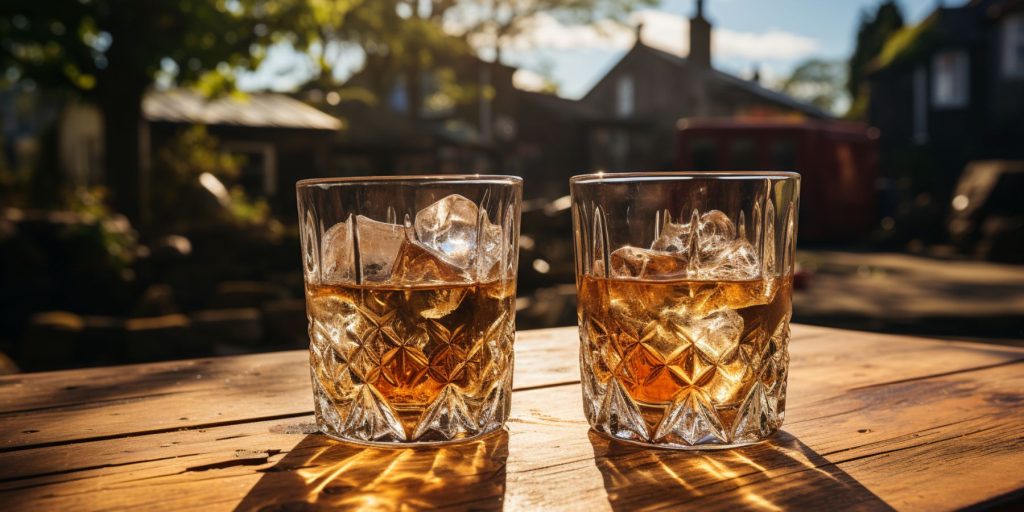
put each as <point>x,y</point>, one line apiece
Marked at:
<point>546,32</point>
<point>665,31</point>
<point>770,45</point>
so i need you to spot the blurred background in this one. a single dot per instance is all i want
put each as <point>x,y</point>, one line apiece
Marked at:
<point>149,150</point>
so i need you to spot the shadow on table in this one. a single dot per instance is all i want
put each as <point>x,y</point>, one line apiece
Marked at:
<point>782,473</point>
<point>322,474</point>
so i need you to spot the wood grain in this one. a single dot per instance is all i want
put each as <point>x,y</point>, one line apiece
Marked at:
<point>80,405</point>
<point>873,422</point>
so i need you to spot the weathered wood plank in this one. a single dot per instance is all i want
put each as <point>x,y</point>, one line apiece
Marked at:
<point>41,410</point>
<point>97,403</point>
<point>46,390</point>
<point>847,441</point>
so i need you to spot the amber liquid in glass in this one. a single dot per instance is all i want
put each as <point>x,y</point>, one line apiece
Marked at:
<point>700,344</point>
<point>410,345</point>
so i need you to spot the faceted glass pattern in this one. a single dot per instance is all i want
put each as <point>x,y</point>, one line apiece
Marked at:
<point>685,363</point>
<point>685,332</point>
<point>410,295</point>
<point>426,364</point>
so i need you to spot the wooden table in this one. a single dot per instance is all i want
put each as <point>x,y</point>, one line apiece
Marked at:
<point>873,422</point>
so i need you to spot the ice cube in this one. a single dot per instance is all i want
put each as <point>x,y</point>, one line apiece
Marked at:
<point>720,334</point>
<point>336,253</point>
<point>636,263</point>
<point>715,334</point>
<point>716,226</point>
<point>673,238</point>
<point>712,227</point>
<point>490,247</point>
<point>379,245</point>
<point>417,264</point>
<point>387,254</point>
<point>450,228</point>
<point>736,261</point>
<point>717,253</point>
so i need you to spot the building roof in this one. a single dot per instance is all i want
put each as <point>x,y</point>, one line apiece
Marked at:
<point>265,110</point>
<point>562,107</point>
<point>749,86</point>
<point>906,43</point>
<point>945,26</point>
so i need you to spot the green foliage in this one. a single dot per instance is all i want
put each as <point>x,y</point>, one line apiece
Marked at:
<point>872,35</point>
<point>819,82</point>
<point>859,107</point>
<point>111,51</point>
<point>246,210</point>
<point>356,93</point>
<point>88,44</point>
<point>403,39</point>
<point>905,43</point>
<point>491,25</point>
<point>178,165</point>
<point>192,153</point>
<point>181,162</point>
<point>104,227</point>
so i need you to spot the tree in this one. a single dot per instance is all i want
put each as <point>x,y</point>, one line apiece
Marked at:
<point>402,40</point>
<point>492,25</point>
<point>819,82</point>
<point>111,51</point>
<point>872,34</point>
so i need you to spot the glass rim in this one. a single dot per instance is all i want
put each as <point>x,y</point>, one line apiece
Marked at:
<point>418,179</point>
<point>647,176</point>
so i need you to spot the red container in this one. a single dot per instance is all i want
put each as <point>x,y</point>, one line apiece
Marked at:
<point>838,162</point>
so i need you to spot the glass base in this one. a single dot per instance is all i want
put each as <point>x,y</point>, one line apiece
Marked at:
<point>681,447</point>
<point>397,445</point>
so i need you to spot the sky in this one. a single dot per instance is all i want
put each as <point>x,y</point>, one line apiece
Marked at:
<point>771,35</point>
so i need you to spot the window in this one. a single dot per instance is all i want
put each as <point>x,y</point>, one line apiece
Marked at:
<point>258,172</point>
<point>743,154</point>
<point>704,154</point>
<point>783,155</point>
<point>624,96</point>
<point>920,105</point>
<point>949,79</point>
<point>618,148</point>
<point>398,98</point>
<point>1013,46</point>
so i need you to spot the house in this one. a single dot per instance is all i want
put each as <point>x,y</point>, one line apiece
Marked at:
<point>459,117</point>
<point>627,121</point>
<point>948,91</point>
<point>640,100</point>
<point>486,125</point>
<point>282,139</point>
<point>552,143</point>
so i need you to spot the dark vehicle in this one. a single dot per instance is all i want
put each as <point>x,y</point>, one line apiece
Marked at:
<point>987,214</point>
<point>838,162</point>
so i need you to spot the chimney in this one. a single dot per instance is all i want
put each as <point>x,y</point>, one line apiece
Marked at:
<point>756,76</point>
<point>700,38</point>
